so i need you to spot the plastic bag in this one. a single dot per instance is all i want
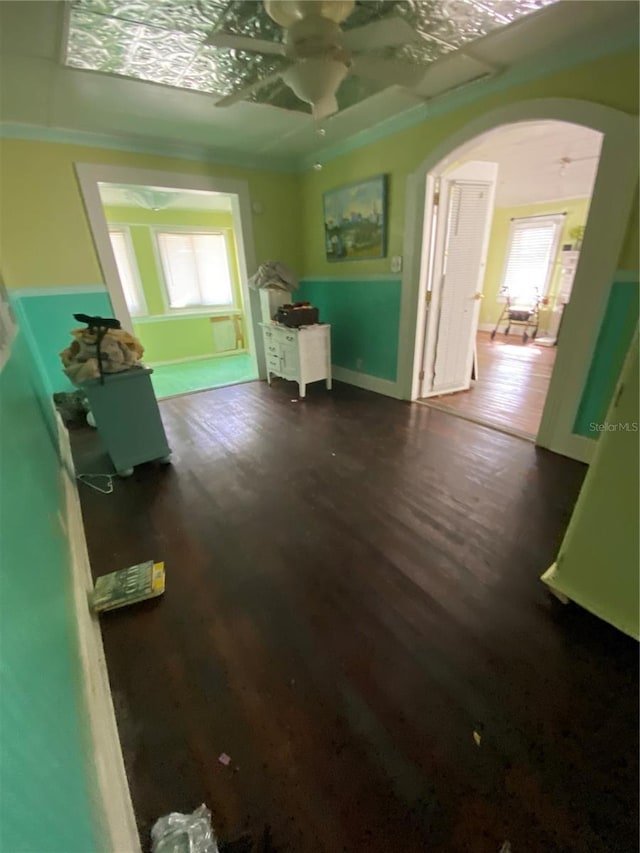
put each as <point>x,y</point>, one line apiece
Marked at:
<point>184,833</point>
<point>272,275</point>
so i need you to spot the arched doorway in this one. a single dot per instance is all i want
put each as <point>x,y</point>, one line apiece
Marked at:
<point>611,204</point>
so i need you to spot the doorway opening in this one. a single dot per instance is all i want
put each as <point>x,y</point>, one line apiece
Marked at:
<point>176,255</point>
<point>505,217</point>
<point>174,250</point>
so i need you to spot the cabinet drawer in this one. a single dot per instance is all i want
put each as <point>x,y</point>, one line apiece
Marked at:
<point>274,364</point>
<point>272,350</point>
<point>284,336</point>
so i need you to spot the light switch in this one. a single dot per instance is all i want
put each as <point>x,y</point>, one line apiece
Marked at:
<point>396,263</point>
<point>257,207</point>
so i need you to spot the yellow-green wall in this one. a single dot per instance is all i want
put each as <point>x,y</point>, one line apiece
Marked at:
<point>45,240</point>
<point>177,338</point>
<point>577,210</point>
<point>612,81</point>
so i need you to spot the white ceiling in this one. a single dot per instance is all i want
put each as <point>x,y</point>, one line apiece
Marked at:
<point>539,161</point>
<point>161,198</point>
<point>36,89</point>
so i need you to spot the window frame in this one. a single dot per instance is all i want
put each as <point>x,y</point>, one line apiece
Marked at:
<point>196,310</point>
<point>125,230</point>
<point>557,219</point>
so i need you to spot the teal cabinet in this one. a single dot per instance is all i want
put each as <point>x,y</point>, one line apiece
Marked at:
<point>127,417</point>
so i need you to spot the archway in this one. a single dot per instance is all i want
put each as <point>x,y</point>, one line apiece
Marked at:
<point>611,204</point>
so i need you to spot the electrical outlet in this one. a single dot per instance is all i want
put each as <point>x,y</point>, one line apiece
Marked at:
<point>359,363</point>
<point>396,263</point>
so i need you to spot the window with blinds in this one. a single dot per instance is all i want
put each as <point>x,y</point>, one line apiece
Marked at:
<point>128,271</point>
<point>196,269</point>
<point>532,248</point>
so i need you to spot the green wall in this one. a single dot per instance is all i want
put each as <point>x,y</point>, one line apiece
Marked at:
<point>598,561</point>
<point>47,318</point>
<point>577,210</point>
<point>45,240</point>
<point>177,338</point>
<point>46,775</point>
<point>612,81</point>
<point>365,321</point>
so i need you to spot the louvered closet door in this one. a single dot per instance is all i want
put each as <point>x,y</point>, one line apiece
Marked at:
<point>466,222</point>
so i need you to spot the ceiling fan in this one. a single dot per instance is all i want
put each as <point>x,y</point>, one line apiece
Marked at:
<point>320,54</point>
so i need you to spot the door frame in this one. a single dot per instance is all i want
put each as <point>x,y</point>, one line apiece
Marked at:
<point>611,204</point>
<point>90,174</point>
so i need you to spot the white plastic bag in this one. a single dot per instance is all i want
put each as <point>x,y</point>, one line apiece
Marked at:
<point>184,833</point>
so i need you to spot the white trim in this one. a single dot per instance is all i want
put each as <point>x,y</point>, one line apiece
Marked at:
<point>89,175</point>
<point>188,315</point>
<point>226,354</point>
<point>17,293</point>
<point>364,380</point>
<point>113,805</point>
<point>132,258</point>
<point>611,204</point>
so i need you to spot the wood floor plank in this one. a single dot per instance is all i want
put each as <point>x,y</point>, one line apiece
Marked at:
<point>353,590</point>
<point>511,389</point>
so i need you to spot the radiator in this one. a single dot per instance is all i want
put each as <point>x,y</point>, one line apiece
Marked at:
<point>224,334</point>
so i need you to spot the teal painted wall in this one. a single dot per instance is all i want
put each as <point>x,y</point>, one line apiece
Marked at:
<point>47,319</point>
<point>45,777</point>
<point>614,339</point>
<point>365,321</point>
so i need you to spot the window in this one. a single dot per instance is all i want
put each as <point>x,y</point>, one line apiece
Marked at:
<point>196,269</point>
<point>128,271</point>
<point>533,245</point>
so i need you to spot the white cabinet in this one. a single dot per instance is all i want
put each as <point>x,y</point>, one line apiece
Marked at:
<point>302,355</point>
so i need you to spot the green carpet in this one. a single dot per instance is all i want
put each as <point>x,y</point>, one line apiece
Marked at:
<point>172,379</point>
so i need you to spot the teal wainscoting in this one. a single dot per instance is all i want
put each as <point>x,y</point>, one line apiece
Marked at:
<point>365,320</point>
<point>47,783</point>
<point>614,340</point>
<point>47,318</point>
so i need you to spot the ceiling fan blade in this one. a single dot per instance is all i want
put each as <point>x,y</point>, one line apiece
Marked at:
<point>388,32</point>
<point>393,72</point>
<point>222,39</point>
<point>325,107</point>
<point>241,94</point>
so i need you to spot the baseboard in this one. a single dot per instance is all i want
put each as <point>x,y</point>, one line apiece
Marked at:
<point>153,364</point>
<point>369,383</point>
<point>113,805</point>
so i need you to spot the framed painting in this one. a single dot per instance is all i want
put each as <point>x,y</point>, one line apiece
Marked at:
<point>355,220</point>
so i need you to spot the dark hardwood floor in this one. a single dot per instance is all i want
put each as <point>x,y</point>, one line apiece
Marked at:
<point>353,591</point>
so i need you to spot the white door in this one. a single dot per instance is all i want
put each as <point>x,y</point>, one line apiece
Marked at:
<point>458,229</point>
